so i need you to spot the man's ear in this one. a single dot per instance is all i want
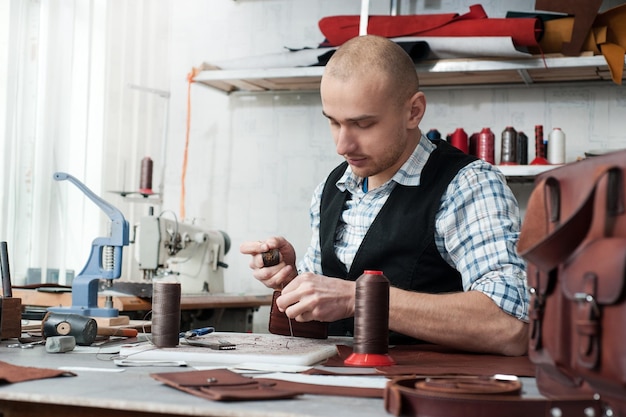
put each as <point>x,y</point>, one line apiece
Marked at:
<point>418,107</point>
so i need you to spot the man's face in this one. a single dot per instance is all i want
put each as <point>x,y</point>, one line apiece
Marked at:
<point>369,127</point>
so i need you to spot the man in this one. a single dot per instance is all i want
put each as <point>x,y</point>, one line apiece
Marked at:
<point>440,224</point>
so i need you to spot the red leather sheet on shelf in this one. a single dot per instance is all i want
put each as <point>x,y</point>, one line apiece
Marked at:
<point>523,31</point>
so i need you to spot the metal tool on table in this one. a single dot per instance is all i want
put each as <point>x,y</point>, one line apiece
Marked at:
<point>272,258</point>
<point>10,308</point>
<point>83,329</point>
<point>196,332</point>
<point>105,260</point>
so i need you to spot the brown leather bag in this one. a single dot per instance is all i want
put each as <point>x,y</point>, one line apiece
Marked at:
<point>574,241</point>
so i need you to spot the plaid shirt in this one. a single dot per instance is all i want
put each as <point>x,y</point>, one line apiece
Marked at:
<point>477,227</point>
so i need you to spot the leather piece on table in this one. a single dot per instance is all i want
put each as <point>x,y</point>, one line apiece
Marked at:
<point>524,31</point>
<point>226,385</point>
<point>10,374</point>
<point>280,324</point>
<point>426,359</point>
<point>223,385</point>
<point>325,389</point>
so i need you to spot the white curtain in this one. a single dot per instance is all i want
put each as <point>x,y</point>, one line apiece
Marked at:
<point>67,105</point>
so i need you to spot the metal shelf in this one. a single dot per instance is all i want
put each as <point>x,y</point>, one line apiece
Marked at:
<point>441,73</point>
<point>523,173</point>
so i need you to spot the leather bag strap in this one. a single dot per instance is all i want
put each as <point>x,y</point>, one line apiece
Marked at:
<point>406,397</point>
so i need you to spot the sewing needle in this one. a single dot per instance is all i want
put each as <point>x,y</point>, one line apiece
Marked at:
<point>288,319</point>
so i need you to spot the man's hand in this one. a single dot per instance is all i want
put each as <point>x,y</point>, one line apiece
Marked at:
<point>316,297</point>
<point>275,276</point>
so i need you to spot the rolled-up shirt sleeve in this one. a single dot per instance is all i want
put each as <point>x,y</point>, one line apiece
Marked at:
<point>477,229</point>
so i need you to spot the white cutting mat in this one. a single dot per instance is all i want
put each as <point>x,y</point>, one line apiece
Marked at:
<point>250,347</point>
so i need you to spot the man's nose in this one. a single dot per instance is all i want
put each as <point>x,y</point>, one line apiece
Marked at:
<point>345,140</point>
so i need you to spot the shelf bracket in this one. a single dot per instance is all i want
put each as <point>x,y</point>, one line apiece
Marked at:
<point>523,73</point>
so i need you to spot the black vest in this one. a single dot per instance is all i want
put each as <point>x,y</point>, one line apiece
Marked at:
<point>401,240</point>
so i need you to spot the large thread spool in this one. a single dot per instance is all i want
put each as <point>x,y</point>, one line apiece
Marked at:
<point>145,181</point>
<point>371,321</point>
<point>165,313</point>
<point>556,146</point>
<point>540,155</point>
<point>485,146</point>
<point>508,146</point>
<point>522,148</point>
<point>459,140</point>
<point>433,134</point>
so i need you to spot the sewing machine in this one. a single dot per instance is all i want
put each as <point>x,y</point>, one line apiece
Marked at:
<point>194,256</point>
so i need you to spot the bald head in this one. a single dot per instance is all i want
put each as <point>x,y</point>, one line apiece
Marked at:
<point>369,56</point>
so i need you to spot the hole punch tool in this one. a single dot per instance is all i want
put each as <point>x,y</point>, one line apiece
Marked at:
<point>105,260</point>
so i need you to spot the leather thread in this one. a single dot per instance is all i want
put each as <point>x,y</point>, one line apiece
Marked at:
<point>371,314</point>
<point>165,313</point>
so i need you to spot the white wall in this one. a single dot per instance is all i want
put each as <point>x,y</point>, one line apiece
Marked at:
<point>255,159</point>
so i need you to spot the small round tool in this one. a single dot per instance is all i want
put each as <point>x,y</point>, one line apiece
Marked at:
<point>271,257</point>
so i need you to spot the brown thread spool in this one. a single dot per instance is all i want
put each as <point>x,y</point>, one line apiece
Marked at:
<point>371,321</point>
<point>165,314</point>
<point>508,147</point>
<point>145,181</point>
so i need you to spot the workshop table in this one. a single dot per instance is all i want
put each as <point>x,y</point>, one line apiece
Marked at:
<point>101,388</point>
<point>133,393</point>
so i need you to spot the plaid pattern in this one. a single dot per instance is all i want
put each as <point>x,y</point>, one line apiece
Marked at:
<point>477,227</point>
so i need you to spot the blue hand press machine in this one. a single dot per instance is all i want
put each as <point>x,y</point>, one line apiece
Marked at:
<point>105,260</point>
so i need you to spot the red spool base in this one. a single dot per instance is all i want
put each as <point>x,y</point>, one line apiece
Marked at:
<point>369,359</point>
<point>539,161</point>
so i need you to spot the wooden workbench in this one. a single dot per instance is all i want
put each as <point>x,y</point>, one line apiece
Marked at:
<point>229,312</point>
<point>124,302</point>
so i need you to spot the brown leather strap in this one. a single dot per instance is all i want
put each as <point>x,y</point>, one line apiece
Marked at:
<point>406,397</point>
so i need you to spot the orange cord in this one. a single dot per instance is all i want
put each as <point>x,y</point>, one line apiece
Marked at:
<point>190,80</point>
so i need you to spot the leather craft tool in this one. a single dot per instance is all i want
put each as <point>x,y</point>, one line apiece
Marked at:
<point>272,258</point>
<point>60,344</point>
<point>196,332</point>
<point>83,329</point>
<point>117,331</point>
<point>7,290</point>
<point>105,261</point>
<point>10,308</point>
